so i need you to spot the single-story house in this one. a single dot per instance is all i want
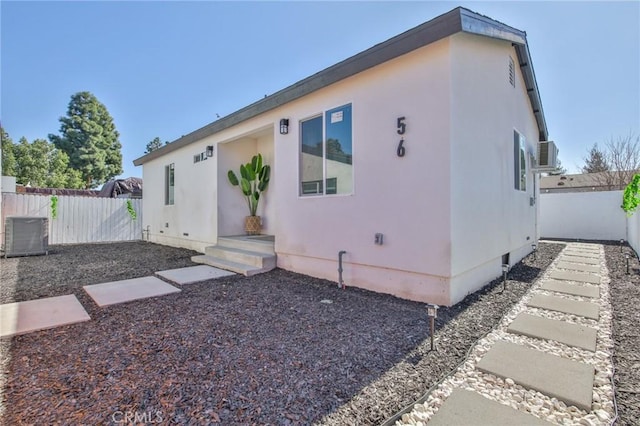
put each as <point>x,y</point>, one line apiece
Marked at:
<point>428,139</point>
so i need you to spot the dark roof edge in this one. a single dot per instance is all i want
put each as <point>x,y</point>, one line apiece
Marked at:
<point>454,21</point>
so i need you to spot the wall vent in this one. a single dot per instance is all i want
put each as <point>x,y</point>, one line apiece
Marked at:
<point>512,72</point>
<point>26,236</point>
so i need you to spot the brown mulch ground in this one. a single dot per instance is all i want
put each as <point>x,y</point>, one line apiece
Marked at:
<point>236,350</point>
<point>625,296</point>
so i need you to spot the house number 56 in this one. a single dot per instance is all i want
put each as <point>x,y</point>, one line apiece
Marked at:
<point>402,128</point>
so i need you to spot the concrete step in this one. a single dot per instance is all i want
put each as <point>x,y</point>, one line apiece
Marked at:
<point>580,253</point>
<point>564,379</point>
<point>561,331</point>
<point>586,290</point>
<point>464,407</point>
<point>227,265</point>
<point>567,306</point>
<point>258,243</point>
<point>584,277</point>
<point>247,257</point>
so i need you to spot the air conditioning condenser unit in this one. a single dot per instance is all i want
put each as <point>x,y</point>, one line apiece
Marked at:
<point>25,235</point>
<point>547,159</point>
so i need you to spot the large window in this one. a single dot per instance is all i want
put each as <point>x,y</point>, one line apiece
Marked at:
<point>519,161</point>
<point>169,184</point>
<point>326,153</point>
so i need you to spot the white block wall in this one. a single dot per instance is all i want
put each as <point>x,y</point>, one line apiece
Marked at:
<point>583,215</point>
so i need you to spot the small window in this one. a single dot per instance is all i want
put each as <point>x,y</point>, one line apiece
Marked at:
<point>326,153</point>
<point>512,72</point>
<point>169,184</point>
<point>519,161</point>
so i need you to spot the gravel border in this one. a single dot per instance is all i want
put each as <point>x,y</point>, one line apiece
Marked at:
<point>267,349</point>
<point>520,398</point>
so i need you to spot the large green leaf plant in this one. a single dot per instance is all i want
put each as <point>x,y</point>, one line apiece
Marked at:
<point>254,180</point>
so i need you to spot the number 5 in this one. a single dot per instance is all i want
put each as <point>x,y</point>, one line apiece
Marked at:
<point>401,126</point>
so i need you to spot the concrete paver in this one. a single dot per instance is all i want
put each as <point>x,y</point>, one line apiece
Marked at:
<point>578,267</point>
<point>578,259</point>
<point>585,290</point>
<point>584,277</point>
<point>127,290</point>
<point>193,274</point>
<point>470,408</point>
<point>24,317</point>
<point>566,380</point>
<point>581,253</point>
<point>561,331</point>
<point>560,304</point>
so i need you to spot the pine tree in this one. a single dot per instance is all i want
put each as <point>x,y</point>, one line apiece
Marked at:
<point>596,162</point>
<point>90,139</point>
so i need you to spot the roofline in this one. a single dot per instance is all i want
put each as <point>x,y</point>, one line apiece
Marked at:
<point>452,22</point>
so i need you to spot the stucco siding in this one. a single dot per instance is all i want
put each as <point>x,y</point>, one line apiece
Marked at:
<point>489,216</point>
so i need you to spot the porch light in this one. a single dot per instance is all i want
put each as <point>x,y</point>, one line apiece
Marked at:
<point>209,150</point>
<point>284,126</point>
<point>432,312</point>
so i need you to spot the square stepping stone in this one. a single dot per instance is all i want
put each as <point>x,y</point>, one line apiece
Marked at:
<point>585,290</point>
<point>564,379</point>
<point>561,331</point>
<point>25,317</point>
<point>560,304</point>
<point>193,274</point>
<point>584,277</point>
<point>127,290</point>
<point>595,269</point>
<point>577,253</point>
<point>582,260</point>
<point>464,407</point>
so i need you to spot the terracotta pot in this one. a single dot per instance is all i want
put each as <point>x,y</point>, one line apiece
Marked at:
<point>252,225</point>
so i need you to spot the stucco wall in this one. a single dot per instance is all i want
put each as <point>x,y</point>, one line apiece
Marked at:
<point>583,215</point>
<point>489,216</point>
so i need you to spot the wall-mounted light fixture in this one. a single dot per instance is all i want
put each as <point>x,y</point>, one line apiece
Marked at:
<point>209,150</point>
<point>432,312</point>
<point>284,126</point>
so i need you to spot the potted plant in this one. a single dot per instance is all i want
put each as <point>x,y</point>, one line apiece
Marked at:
<point>254,180</point>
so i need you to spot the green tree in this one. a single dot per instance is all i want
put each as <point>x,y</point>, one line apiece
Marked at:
<point>596,162</point>
<point>40,164</point>
<point>8,156</point>
<point>90,139</point>
<point>156,143</point>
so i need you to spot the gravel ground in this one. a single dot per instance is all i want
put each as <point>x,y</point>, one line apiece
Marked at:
<point>258,350</point>
<point>625,294</point>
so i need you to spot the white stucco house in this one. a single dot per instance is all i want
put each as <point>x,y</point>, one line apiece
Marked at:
<point>459,91</point>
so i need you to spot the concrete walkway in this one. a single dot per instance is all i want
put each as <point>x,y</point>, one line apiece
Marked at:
<point>509,381</point>
<point>25,317</point>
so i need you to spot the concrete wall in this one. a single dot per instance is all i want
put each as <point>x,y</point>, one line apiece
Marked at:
<point>584,215</point>
<point>490,217</point>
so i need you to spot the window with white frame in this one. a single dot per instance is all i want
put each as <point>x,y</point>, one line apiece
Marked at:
<point>326,153</point>
<point>169,185</point>
<point>519,161</point>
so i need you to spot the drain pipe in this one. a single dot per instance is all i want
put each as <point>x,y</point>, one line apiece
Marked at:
<point>340,280</point>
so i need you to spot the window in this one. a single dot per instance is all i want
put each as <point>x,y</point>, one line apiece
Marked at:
<point>519,161</point>
<point>326,153</point>
<point>168,184</point>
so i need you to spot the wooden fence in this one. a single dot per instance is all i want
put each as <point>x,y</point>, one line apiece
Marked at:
<point>78,219</point>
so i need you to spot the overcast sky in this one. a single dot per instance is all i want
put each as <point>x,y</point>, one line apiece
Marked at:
<point>167,68</point>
